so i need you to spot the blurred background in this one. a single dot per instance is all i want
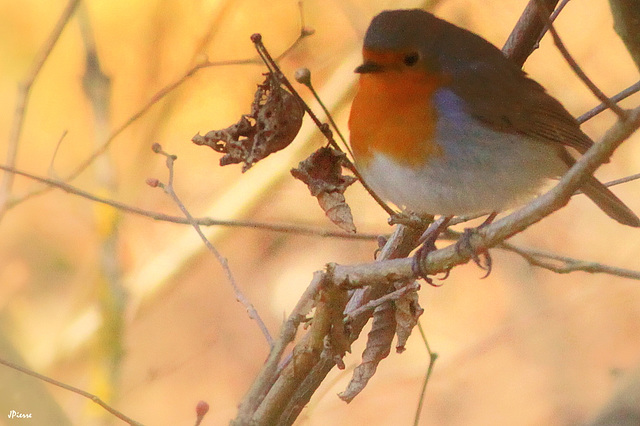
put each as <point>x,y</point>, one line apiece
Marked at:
<point>137,312</point>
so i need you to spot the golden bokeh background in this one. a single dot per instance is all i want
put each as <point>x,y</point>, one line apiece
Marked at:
<point>137,312</point>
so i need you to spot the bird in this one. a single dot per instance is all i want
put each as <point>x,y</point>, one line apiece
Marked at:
<point>443,123</point>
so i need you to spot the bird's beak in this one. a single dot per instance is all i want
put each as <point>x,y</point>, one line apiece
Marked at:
<point>368,67</point>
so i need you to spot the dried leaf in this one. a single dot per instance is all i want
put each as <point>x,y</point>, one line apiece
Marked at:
<point>322,173</point>
<point>407,312</point>
<point>275,119</point>
<point>378,347</point>
<point>337,210</point>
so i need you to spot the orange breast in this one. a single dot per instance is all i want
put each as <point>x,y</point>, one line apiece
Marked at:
<point>393,114</point>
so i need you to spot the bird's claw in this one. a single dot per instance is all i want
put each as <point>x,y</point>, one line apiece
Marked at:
<point>428,238</point>
<point>464,248</point>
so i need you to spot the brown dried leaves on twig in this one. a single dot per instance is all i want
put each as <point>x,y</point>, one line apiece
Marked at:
<point>322,172</point>
<point>395,316</point>
<point>378,347</point>
<point>408,312</point>
<point>275,119</point>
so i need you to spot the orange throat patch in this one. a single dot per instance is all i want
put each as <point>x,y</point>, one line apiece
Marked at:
<point>393,114</point>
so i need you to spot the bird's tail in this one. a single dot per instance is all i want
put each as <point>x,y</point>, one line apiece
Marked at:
<point>609,203</point>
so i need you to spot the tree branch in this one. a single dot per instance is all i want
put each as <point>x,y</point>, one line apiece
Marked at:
<point>24,89</point>
<point>205,221</point>
<point>73,389</point>
<point>564,265</point>
<point>240,296</point>
<point>524,38</point>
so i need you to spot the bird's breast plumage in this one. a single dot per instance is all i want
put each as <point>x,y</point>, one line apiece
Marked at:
<point>393,113</point>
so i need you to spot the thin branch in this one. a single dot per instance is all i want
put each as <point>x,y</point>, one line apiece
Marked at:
<point>270,372</point>
<point>432,360</point>
<point>169,190</point>
<point>623,180</point>
<point>303,76</point>
<point>205,221</point>
<point>565,265</point>
<point>570,264</point>
<point>24,89</point>
<point>616,98</point>
<point>524,38</point>
<point>389,297</point>
<point>552,18</point>
<point>73,389</point>
<point>576,68</point>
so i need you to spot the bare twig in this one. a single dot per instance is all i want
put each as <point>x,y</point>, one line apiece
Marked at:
<point>73,389</point>
<point>550,260</point>
<point>524,38</point>
<point>202,408</point>
<point>52,170</point>
<point>169,190</point>
<point>389,297</point>
<point>565,265</point>
<point>24,89</point>
<point>205,221</point>
<point>112,301</point>
<point>623,180</point>
<point>634,88</point>
<point>432,360</point>
<point>553,16</point>
<point>576,68</point>
<point>268,375</point>
<point>303,76</point>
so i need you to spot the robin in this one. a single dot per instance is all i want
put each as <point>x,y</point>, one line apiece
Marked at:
<point>443,123</point>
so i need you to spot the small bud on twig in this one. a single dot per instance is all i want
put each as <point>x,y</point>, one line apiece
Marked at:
<point>256,38</point>
<point>303,76</point>
<point>202,408</point>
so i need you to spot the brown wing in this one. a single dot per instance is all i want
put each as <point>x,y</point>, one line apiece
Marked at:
<point>500,94</point>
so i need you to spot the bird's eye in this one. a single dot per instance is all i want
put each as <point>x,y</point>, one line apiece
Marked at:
<point>411,59</point>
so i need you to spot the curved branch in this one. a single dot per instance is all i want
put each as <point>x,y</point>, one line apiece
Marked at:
<point>564,264</point>
<point>73,389</point>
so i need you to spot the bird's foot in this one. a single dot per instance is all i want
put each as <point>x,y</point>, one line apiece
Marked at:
<point>480,257</point>
<point>428,240</point>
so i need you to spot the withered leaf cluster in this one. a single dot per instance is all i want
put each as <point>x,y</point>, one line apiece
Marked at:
<point>275,119</point>
<point>397,318</point>
<point>322,173</point>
